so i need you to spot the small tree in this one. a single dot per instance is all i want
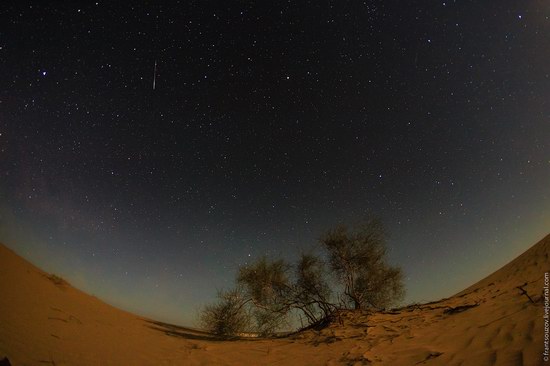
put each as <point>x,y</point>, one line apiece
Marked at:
<point>228,316</point>
<point>313,293</point>
<point>359,261</point>
<point>276,291</point>
<point>268,291</point>
<point>266,322</point>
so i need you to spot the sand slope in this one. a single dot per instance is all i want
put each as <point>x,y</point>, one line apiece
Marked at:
<point>47,322</point>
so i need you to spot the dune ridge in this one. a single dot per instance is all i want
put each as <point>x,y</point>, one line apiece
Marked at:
<point>496,321</point>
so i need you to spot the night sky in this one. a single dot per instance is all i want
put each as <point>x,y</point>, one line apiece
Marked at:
<point>146,151</point>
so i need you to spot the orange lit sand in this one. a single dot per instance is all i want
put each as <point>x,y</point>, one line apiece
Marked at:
<point>47,323</point>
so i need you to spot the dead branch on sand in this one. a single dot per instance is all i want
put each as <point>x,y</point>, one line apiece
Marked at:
<point>523,292</point>
<point>459,309</point>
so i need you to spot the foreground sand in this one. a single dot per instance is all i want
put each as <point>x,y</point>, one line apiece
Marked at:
<point>45,321</point>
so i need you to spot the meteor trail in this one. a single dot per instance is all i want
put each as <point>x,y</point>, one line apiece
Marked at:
<point>155,75</point>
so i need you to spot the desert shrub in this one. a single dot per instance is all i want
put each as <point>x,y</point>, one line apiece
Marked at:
<point>267,284</point>
<point>313,292</point>
<point>277,290</point>
<point>268,292</point>
<point>228,316</point>
<point>358,259</point>
<point>266,323</point>
<point>58,281</point>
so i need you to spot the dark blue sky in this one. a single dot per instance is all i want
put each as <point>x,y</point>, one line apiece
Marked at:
<point>268,124</point>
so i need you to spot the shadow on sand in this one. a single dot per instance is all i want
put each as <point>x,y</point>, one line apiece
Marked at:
<point>181,332</point>
<point>190,333</point>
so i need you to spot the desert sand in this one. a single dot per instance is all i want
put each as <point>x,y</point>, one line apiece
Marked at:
<point>497,321</point>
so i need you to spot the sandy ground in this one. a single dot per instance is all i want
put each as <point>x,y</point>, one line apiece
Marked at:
<point>497,321</point>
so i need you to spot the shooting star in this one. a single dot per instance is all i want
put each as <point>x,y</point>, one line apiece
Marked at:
<point>155,75</point>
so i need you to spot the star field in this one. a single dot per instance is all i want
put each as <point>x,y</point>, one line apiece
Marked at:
<point>266,125</point>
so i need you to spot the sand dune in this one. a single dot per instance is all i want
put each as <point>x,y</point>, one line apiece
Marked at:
<point>497,321</point>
